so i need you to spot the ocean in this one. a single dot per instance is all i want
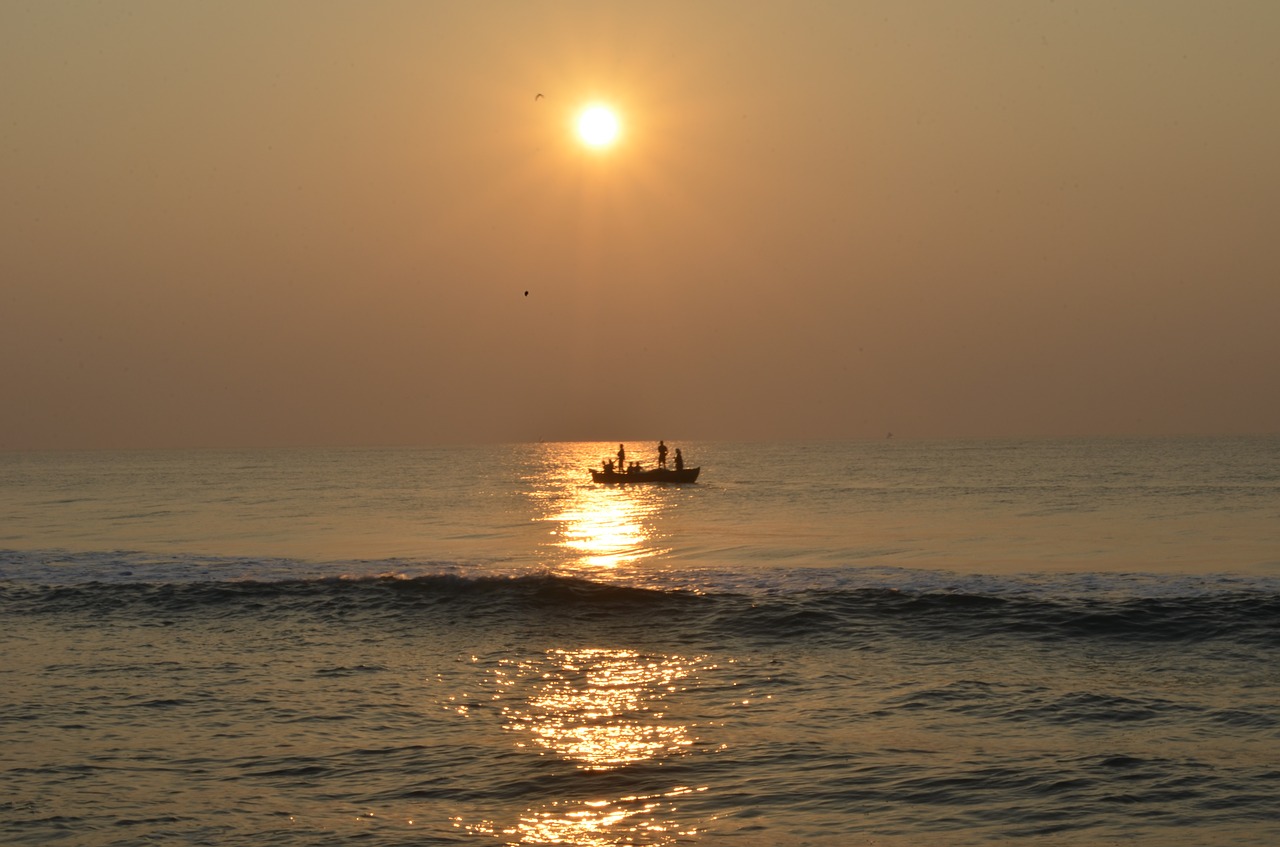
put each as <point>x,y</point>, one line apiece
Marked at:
<point>897,642</point>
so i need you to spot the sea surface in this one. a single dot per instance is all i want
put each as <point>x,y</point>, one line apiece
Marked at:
<point>1055,642</point>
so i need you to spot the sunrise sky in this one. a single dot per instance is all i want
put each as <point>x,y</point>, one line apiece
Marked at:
<point>314,223</point>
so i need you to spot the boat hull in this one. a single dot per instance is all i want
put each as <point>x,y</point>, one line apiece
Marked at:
<point>654,475</point>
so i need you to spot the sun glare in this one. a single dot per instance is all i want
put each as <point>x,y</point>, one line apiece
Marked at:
<point>598,126</point>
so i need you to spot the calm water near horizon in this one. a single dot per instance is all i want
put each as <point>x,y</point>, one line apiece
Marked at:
<point>896,642</point>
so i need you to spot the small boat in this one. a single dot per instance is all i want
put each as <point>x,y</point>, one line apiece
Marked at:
<point>654,475</point>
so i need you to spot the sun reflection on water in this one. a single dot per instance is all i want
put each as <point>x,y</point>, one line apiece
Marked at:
<point>603,535</point>
<point>633,819</point>
<point>604,712</point>
<point>598,530</point>
<point>605,529</point>
<point>602,823</point>
<point>602,709</point>
<point>599,710</point>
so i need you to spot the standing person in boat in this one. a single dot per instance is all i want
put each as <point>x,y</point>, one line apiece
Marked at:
<point>622,458</point>
<point>679,460</point>
<point>662,454</point>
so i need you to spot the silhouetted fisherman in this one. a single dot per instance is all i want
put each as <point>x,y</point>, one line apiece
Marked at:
<point>679,460</point>
<point>662,454</point>
<point>622,457</point>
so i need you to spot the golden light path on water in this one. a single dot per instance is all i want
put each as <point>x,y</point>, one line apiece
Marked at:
<point>604,527</point>
<point>598,709</point>
<point>605,531</point>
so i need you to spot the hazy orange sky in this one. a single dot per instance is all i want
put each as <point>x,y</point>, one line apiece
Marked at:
<point>313,223</point>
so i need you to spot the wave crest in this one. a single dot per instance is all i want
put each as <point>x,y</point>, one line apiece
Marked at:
<point>848,616</point>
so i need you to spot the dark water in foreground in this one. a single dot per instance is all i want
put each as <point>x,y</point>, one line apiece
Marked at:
<point>1055,643</point>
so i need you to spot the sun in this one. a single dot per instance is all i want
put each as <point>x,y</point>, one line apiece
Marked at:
<point>598,126</point>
